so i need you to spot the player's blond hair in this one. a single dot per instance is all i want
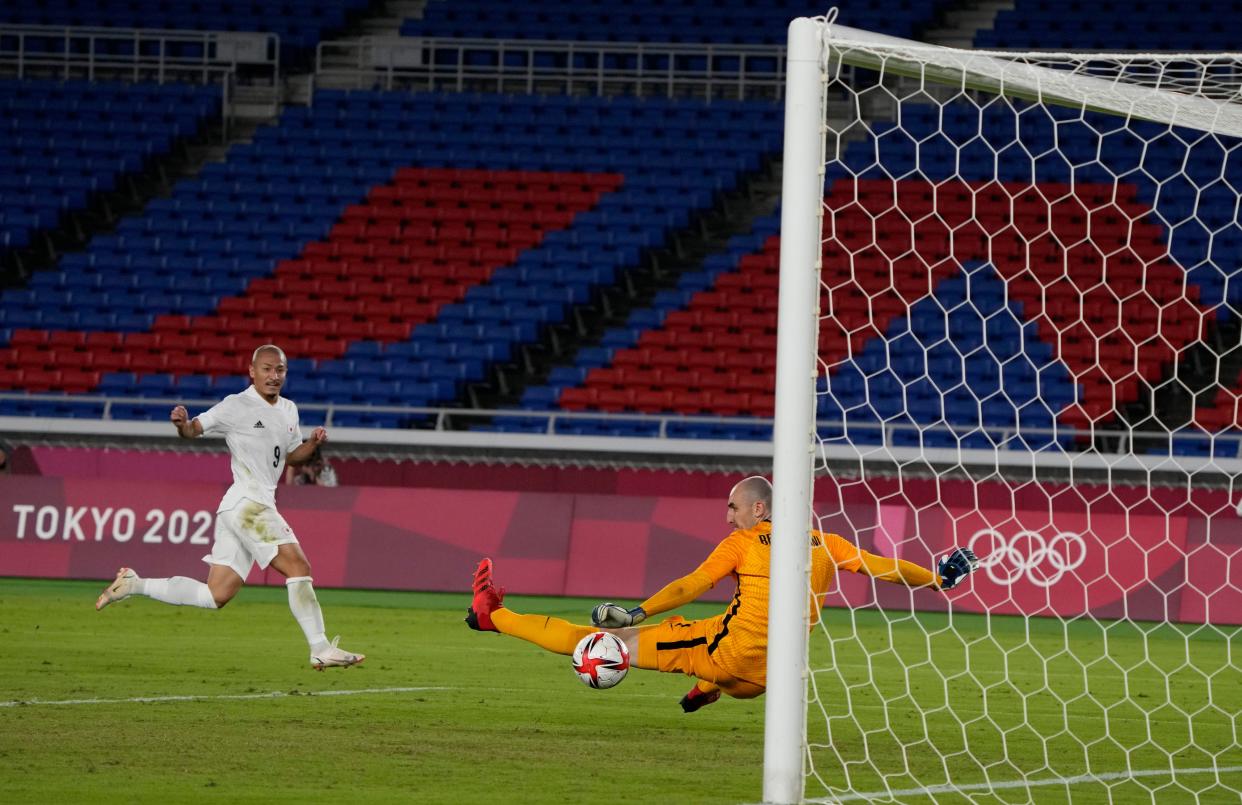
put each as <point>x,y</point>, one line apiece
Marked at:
<point>268,348</point>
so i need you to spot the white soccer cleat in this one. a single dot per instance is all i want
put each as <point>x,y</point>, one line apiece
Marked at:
<point>124,586</point>
<point>333,656</point>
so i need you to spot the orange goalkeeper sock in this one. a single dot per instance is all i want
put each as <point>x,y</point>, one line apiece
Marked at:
<point>554,634</point>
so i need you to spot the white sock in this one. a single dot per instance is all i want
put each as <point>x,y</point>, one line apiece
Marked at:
<point>305,608</point>
<point>178,591</point>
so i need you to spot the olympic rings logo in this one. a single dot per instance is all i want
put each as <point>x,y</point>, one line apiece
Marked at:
<point>1027,555</point>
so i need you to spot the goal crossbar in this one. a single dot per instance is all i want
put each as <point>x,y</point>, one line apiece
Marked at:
<point>1010,75</point>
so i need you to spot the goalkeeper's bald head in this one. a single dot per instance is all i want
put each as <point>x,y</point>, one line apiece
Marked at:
<point>750,501</point>
<point>756,488</point>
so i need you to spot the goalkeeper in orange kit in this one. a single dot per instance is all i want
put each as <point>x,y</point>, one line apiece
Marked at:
<point>728,652</point>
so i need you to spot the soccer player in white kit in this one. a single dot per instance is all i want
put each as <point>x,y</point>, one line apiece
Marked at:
<point>263,434</point>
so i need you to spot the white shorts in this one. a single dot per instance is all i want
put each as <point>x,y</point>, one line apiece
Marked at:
<point>246,534</point>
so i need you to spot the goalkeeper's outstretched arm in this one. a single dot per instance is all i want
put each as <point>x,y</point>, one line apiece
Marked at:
<point>897,571</point>
<point>675,593</point>
<point>678,592</point>
<point>951,569</point>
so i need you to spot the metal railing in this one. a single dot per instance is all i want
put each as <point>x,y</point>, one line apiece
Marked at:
<point>1112,456</point>
<point>141,54</point>
<point>529,66</point>
<point>428,418</point>
<point>134,54</point>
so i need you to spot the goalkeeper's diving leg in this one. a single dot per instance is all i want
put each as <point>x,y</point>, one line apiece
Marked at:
<point>488,613</point>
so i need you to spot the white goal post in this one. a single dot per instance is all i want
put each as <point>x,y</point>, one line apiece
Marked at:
<point>793,433</point>
<point>1010,294</point>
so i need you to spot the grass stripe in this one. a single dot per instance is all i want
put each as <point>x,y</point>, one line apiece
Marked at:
<point>276,694</point>
<point>949,788</point>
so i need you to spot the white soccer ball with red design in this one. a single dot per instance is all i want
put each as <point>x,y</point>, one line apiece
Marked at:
<point>601,660</point>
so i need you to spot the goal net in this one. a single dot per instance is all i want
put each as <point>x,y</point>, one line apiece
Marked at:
<point>1029,338</point>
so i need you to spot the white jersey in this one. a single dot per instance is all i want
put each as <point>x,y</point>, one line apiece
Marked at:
<point>259,436</point>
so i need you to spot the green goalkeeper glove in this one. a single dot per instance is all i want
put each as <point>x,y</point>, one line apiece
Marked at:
<point>615,616</point>
<point>956,566</point>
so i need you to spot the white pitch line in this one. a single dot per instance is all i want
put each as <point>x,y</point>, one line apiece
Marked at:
<point>276,694</point>
<point>1081,778</point>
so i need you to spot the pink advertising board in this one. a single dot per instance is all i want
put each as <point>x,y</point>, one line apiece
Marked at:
<point>1101,555</point>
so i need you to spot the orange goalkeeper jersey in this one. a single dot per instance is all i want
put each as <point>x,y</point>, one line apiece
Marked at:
<point>738,640</point>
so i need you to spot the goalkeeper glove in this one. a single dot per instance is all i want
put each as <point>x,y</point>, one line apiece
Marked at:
<point>955,566</point>
<point>615,616</point>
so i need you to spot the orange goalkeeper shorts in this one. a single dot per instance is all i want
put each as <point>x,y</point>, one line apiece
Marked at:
<point>676,645</point>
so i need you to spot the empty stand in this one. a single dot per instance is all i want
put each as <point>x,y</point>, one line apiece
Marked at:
<point>402,243</point>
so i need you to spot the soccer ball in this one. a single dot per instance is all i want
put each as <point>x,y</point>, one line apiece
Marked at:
<point>601,660</point>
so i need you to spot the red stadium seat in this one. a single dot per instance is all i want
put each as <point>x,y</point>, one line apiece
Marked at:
<point>652,401</point>
<point>11,379</point>
<point>713,381</point>
<point>24,338</point>
<point>392,251</point>
<point>108,361</point>
<point>40,357</point>
<point>78,380</point>
<point>226,363</point>
<point>691,402</point>
<point>305,307</point>
<point>349,228</point>
<point>762,404</point>
<point>613,399</point>
<point>677,379</point>
<point>171,323</point>
<point>389,332</point>
<point>641,378</point>
<point>667,359</point>
<point>41,380</point>
<point>66,338</point>
<point>607,376</point>
<point>103,340</point>
<point>354,330</point>
<point>578,398</point>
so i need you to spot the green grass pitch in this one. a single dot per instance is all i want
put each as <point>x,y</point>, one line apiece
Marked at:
<point>445,715</point>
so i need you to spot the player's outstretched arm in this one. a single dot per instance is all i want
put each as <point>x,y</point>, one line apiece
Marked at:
<point>186,428</point>
<point>955,566</point>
